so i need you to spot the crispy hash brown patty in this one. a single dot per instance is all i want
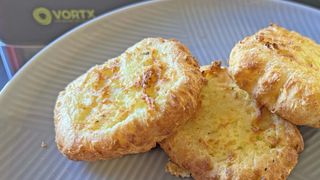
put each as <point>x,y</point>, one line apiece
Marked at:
<point>231,137</point>
<point>280,69</point>
<point>129,103</point>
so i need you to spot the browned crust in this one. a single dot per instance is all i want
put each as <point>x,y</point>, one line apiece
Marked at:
<point>135,136</point>
<point>176,170</point>
<point>190,157</point>
<point>280,69</point>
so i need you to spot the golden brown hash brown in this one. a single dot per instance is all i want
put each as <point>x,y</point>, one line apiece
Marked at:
<point>129,103</point>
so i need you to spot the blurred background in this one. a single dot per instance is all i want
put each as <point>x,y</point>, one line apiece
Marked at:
<point>25,28</point>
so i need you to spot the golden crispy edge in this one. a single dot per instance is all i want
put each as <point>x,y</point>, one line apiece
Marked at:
<point>135,136</point>
<point>200,166</point>
<point>291,93</point>
<point>176,170</point>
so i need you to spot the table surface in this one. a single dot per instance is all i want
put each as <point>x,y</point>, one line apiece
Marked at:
<point>4,79</point>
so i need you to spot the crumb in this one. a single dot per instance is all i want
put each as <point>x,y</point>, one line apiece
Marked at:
<point>44,145</point>
<point>175,170</point>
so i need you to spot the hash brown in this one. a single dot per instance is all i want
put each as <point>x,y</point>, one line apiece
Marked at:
<point>129,103</point>
<point>231,137</point>
<point>280,69</point>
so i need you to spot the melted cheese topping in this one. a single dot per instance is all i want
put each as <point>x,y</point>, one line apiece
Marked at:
<point>229,126</point>
<point>134,85</point>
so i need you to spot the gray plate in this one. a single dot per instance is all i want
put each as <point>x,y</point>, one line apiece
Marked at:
<point>210,28</point>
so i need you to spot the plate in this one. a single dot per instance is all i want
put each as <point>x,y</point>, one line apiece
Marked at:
<point>210,28</point>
